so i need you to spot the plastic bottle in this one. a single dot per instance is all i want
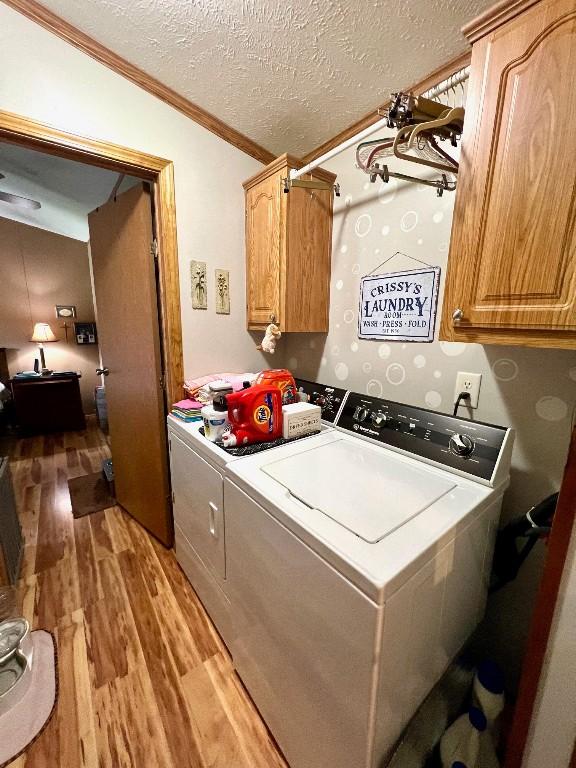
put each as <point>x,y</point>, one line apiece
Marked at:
<point>255,415</point>
<point>281,378</point>
<point>215,417</point>
<point>461,741</point>
<point>218,388</point>
<point>488,691</point>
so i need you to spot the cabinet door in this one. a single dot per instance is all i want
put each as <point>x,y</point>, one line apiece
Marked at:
<point>513,257</point>
<point>308,248</point>
<point>198,504</point>
<point>263,252</point>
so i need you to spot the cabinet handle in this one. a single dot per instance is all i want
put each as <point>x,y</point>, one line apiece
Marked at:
<point>272,318</point>
<point>457,315</point>
<point>212,519</point>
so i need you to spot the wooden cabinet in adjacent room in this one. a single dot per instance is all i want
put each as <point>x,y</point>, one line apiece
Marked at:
<point>512,265</point>
<point>288,249</point>
<point>48,403</point>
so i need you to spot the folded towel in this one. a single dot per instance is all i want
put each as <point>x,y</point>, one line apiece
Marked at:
<point>188,405</point>
<point>198,388</point>
<point>187,419</point>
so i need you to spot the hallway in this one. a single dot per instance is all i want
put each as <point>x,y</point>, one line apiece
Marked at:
<point>144,679</point>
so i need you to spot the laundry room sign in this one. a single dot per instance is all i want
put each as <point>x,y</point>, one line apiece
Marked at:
<point>399,306</point>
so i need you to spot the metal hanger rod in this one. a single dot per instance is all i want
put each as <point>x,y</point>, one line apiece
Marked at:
<point>446,85</point>
<point>294,174</point>
<point>451,82</point>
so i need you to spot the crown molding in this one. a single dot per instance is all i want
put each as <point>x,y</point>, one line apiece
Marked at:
<point>494,17</point>
<point>53,23</point>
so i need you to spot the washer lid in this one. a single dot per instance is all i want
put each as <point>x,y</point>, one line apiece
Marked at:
<point>366,490</point>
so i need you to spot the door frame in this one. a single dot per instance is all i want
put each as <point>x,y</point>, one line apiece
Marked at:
<point>31,134</point>
<point>548,601</point>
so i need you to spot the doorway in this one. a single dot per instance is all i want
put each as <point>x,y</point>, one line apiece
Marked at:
<point>154,178</point>
<point>160,172</point>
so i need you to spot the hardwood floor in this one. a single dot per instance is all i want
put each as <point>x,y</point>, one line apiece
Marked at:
<point>145,680</point>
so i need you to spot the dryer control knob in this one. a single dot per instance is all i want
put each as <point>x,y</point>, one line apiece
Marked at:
<point>378,419</point>
<point>462,445</point>
<point>361,413</point>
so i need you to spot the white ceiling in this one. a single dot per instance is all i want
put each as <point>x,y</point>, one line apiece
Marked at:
<point>66,190</point>
<point>288,74</point>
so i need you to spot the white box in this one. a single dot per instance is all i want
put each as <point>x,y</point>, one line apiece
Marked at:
<point>300,419</point>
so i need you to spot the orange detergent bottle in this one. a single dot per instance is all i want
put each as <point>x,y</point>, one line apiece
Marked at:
<point>255,415</point>
<point>281,378</point>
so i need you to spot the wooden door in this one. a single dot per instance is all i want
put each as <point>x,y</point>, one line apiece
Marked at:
<point>263,281</point>
<point>121,236</point>
<point>513,256</point>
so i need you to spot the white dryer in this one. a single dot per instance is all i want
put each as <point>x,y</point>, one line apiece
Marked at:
<point>197,468</point>
<point>357,567</point>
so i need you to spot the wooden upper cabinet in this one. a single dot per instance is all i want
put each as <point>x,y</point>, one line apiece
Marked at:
<point>512,264</point>
<point>288,250</point>
<point>263,251</point>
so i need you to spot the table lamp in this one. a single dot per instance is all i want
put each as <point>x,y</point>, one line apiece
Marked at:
<point>41,335</point>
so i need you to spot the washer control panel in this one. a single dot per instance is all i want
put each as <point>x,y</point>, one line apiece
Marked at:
<point>469,446</point>
<point>328,398</point>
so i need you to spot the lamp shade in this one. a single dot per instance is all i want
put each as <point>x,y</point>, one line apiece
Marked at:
<point>43,333</point>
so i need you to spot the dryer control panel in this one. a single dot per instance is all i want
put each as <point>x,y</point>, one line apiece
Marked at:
<point>471,447</point>
<point>328,398</point>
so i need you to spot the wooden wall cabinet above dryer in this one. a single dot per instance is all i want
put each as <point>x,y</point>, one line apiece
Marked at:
<point>512,265</point>
<point>288,250</point>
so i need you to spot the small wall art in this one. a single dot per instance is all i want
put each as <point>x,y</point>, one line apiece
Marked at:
<point>399,306</point>
<point>222,292</point>
<point>65,310</point>
<point>198,285</point>
<point>85,333</point>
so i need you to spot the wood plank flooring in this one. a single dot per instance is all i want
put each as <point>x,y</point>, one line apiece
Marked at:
<point>145,680</point>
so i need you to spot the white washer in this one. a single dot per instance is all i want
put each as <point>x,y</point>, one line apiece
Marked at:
<point>357,567</point>
<point>197,468</point>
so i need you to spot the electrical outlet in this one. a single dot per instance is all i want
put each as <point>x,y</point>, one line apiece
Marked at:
<point>468,382</point>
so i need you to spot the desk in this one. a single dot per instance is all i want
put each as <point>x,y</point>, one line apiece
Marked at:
<point>48,404</point>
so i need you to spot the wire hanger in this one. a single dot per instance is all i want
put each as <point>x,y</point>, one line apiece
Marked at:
<point>451,166</point>
<point>399,253</point>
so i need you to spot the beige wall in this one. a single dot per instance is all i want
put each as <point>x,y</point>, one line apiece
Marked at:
<point>57,84</point>
<point>39,269</point>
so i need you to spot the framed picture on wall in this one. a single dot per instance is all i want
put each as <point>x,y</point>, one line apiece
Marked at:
<point>65,310</point>
<point>85,333</point>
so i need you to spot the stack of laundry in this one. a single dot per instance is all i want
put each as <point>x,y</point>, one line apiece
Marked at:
<point>199,389</point>
<point>187,410</point>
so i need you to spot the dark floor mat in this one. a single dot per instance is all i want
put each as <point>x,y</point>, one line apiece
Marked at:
<point>89,493</point>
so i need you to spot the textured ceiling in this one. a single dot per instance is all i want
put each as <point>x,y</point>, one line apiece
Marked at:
<point>67,190</point>
<point>289,75</point>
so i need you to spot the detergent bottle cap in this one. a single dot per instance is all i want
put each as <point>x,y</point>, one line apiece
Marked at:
<point>220,403</point>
